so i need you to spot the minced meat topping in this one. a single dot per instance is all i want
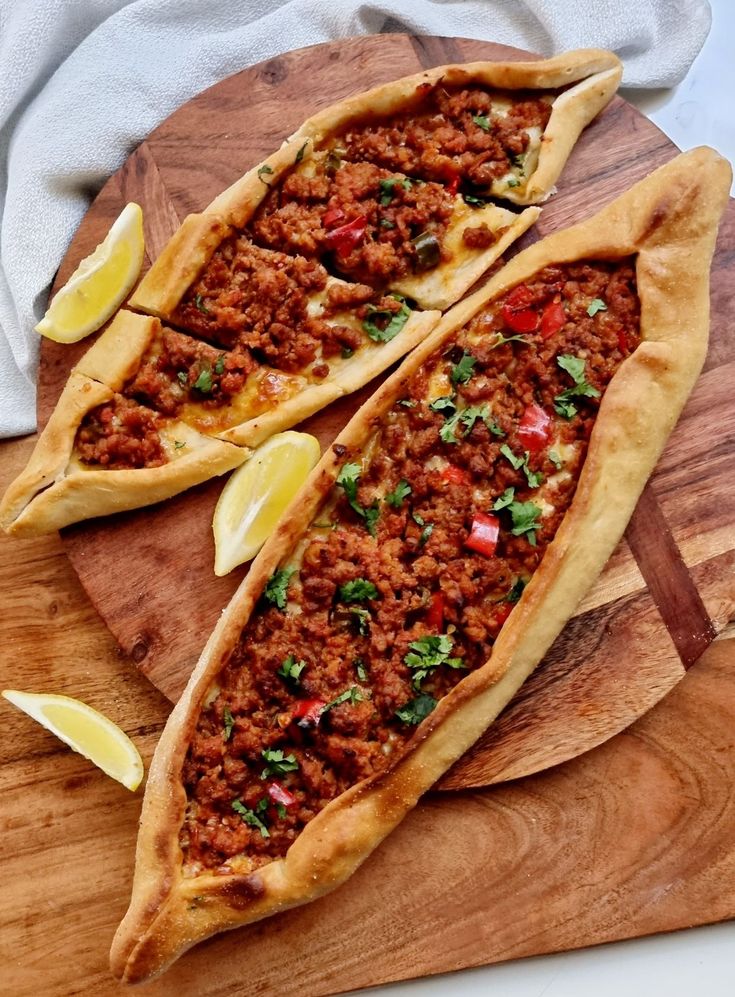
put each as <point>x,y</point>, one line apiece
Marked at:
<point>405,578</point>
<point>456,133</point>
<point>372,225</point>
<point>120,434</point>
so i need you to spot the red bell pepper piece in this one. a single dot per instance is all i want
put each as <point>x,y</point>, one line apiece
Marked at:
<point>502,612</point>
<point>553,318</point>
<point>347,237</point>
<point>484,534</point>
<point>622,341</point>
<point>279,794</point>
<point>307,712</point>
<point>453,185</point>
<point>535,428</point>
<point>455,475</point>
<point>335,216</point>
<point>435,612</point>
<point>517,313</point>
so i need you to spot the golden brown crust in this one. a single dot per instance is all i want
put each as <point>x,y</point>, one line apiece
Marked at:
<point>670,221</point>
<point>56,489</point>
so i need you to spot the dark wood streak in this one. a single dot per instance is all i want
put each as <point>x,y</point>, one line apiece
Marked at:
<point>668,579</point>
<point>435,51</point>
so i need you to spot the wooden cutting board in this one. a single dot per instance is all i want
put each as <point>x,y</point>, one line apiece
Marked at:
<point>161,598</point>
<point>635,837</point>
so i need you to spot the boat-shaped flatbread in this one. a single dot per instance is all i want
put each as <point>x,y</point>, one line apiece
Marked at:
<point>432,558</point>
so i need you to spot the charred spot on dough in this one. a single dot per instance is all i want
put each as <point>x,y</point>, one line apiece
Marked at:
<point>339,450</point>
<point>241,891</point>
<point>656,218</point>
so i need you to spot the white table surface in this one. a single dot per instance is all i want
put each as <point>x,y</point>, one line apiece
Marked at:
<point>699,962</point>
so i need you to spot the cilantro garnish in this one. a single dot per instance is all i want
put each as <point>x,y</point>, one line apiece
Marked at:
<point>277,586</point>
<point>300,153</point>
<point>264,170</point>
<point>204,382</point>
<point>595,306</point>
<point>387,188</point>
<point>482,121</point>
<point>525,515</point>
<point>467,418</point>
<point>219,364</point>
<point>182,377</point>
<point>347,479</point>
<point>360,669</point>
<point>428,653</point>
<point>461,372</point>
<point>352,695</point>
<point>362,620</point>
<point>534,478</point>
<point>277,763</point>
<point>519,158</point>
<point>199,302</point>
<point>503,501</point>
<point>444,404</point>
<point>473,201</point>
<point>250,816</point>
<point>281,810</point>
<point>357,590</point>
<point>512,182</point>
<point>387,223</point>
<point>501,340</point>
<point>291,670</point>
<point>395,321</point>
<point>408,402</point>
<point>228,722</point>
<point>516,590</point>
<point>399,493</point>
<point>417,709</point>
<point>178,444</point>
<point>428,528</point>
<point>556,459</point>
<point>574,366</point>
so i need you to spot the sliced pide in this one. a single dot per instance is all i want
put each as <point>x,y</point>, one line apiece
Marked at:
<point>434,555</point>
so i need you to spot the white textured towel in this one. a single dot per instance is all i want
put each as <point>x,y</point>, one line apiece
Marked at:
<point>82,82</point>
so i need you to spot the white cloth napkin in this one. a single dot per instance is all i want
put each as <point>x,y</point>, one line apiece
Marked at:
<point>82,82</point>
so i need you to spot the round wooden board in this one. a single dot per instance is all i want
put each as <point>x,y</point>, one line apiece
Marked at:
<point>667,589</point>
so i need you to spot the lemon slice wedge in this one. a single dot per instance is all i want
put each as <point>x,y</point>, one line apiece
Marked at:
<point>99,284</point>
<point>255,497</point>
<point>86,731</point>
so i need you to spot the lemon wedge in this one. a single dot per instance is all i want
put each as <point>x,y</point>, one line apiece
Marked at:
<point>255,497</point>
<point>86,731</point>
<point>99,284</point>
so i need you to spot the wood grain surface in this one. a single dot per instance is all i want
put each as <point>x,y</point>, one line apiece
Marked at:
<point>635,837</point>
<point>170,600</point>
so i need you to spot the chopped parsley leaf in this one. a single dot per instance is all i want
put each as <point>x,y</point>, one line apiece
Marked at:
<point>277,587</point>
<point>525,515</point>
<point>204,382</point>
<point>183,378</point>
<point>408,402</point>
<point>228,722</point>
<point>360,669</point>
<point>277,763</point>
<point>178,444</point>
<point>219,364</point>
<point>291,670</point>
<point>534,478</point>
<point>357,590</point>
<point>461,372</point>
<point>574,366</point>
<point>504,500</point>
<point>281,810</point>
<point>300,153</point>
<point>387,223</point>
<point>387,188</point>
<point>482,121</point>
<point>361,619</point>
<point>513,182</point>
<point>467,418</point>
<point>347,479</point>
<point>474,202</point>
<point>516,590</point>
<point>556,459</point>
<point>250,816</point>
<point>519,158</point>
<point>444,404</point>
<point>501,340</point>
<point>263,171</point>
<point>417,709</point>
<point>395,321</point>
<point>428,653</point>
<point>428,528</point>
<point>199,302</point>
<point>595,306</point>
<point>352,696</point>
<point>399,493</point>
<point>515,462</point>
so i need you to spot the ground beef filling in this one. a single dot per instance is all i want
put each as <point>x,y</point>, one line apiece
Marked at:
<point>365,222</point>
<point>255,302</point>
<point>452,134</point>
<point>400,593</point>
<point>120,434</point>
